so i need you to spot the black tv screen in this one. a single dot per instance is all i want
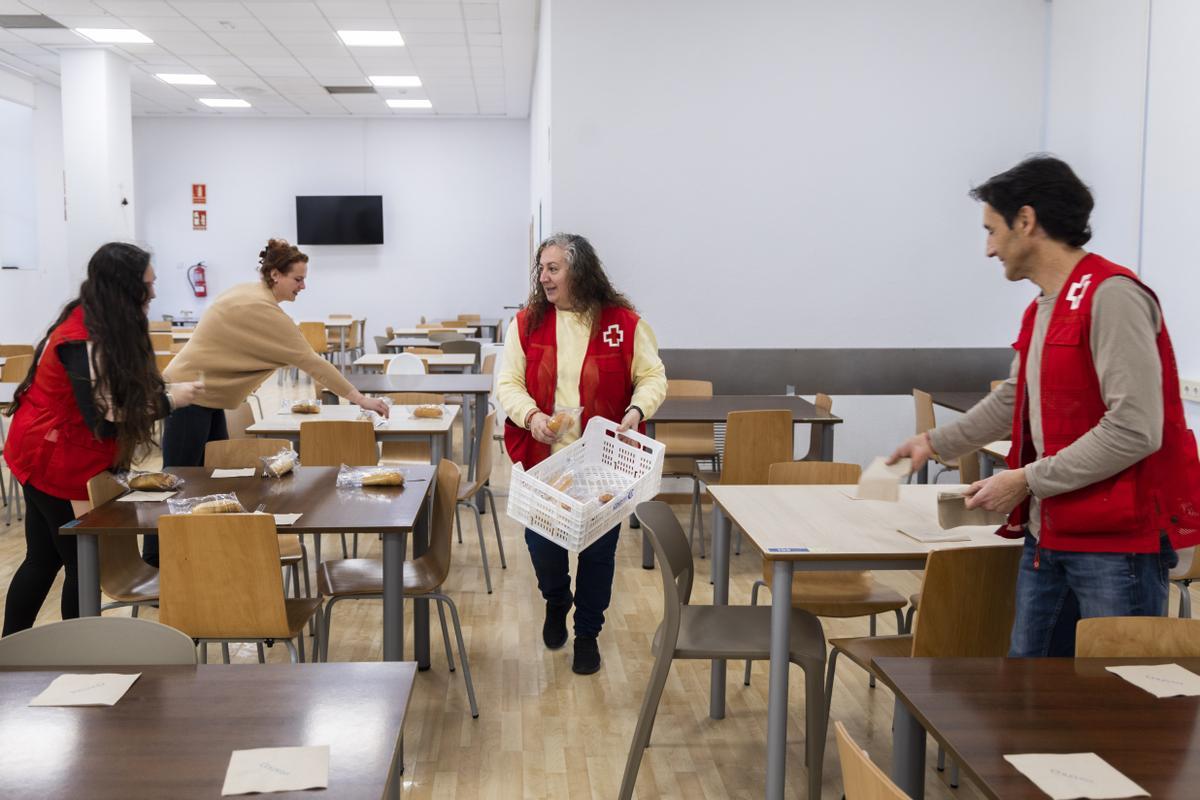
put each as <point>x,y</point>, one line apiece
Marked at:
<point>339,219</point>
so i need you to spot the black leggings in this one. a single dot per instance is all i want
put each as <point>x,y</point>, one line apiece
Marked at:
<point>185,433</point>
<point>46,552</point>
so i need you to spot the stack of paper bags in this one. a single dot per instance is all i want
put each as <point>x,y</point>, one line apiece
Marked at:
<point>953,512</point>
<point>881,481</point>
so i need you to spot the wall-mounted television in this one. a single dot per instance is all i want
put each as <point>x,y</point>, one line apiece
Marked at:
<point>339,219</point>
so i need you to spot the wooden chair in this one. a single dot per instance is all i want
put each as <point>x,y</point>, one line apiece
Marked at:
<point>489,365</point>
<point>163,360</point>
<point>452,323</point>
<point>754,440</point>
<point>160,326</point>
<point>707,632</point>
<point>410,452</point>
<point>1186,571</point>
<point>124,576</point>
<point>862,779</point>
<point>331,443</point>
<point>463,347</point>
<point>406,364</point>
<point>97,642</point>
<point>381,344</point>
<point>161,342</point>
<point>967,466</point>
<point>466,499</point>
<point>220,582</point>
<point>823,402</point>
<point>423,325</point>
<point>237,420</point>
<point>968,599</point>
<point>424,351</point>
<point>830,594</point>
<point>1137,637</point>
<point>242,453</point>
<point>469,317</point>
<point>8,350</point>
<point>687,442</point>
<point>362,578</point>
<point>314,334</point>
<point>15,368</point>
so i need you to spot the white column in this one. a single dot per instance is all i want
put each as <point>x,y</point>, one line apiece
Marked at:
<point>97,153</point>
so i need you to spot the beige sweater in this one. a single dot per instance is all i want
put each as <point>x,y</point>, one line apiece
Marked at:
<point>240,341</point>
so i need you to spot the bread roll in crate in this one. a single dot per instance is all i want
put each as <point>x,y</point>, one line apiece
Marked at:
<point>627,467</point>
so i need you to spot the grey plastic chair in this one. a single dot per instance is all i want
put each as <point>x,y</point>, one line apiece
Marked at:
<point>96,642</point>
<point>381,343</point>
<point>446,336</point>
<point>707,632</point>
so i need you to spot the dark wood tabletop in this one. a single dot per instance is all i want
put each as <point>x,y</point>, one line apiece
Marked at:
<point>173,732</point>
<point>309,491</point>
<point>449,383</point>
<point>958,401</point>
<point>982,709</point>
<point>717,408</point>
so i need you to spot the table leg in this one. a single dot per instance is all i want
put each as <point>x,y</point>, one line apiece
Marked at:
<point>720,567</point>
<point>421,607</point>
<point>923,473</point>
<point>908,751</point>
<point>394,545</point>
<point>777,696</point>
<point>647,548</point>
<point>479,404</point>
<point>987,467</point>
<point>87,548</point>
<point>827,443</point>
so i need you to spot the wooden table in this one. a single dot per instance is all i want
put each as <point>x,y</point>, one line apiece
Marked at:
<point>173,732</point>
<point>982,709</point>
<point>490,327</point>
<point>401,426</point>
<point>460,362</point>
<point>815,528</point>
<point>181,336</point>
<point>393,512</point>
<point>958,401</point>
<point>465,330</point>
<point>400,342</point>
<point>716,408</point>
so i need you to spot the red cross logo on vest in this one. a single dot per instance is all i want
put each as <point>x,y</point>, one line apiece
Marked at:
<point>614,335</point>
<point>1077,290</point>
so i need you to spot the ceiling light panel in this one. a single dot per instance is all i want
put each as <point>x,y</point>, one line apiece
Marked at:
<point>185,79</point>
<point>224,102</point>
<point>115,35</point>
<point>406,103</point>
<point>371,38</point>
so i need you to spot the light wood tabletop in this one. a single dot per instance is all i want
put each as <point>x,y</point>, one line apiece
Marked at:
<point>181,336</point>
<point>173,732</point>
<point>464,330</point>
<point>998,450</point>
<point>380,360</point>
<point>421,341</point>
<point>401,421</point>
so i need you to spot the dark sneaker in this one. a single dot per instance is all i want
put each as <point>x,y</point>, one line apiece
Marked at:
<point>554,629</point>
<point>587,656</point>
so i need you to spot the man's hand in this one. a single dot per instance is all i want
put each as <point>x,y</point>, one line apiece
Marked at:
<point>918,448</point>
<point>1002,492</point>
<point>540,428</point>
<point>632,419</point>
<point>375,404</point>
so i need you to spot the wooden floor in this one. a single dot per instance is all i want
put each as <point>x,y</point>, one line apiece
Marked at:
<point>544,732</point>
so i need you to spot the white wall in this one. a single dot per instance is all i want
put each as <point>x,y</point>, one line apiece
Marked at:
<point>540,117</point>
<point>455,195</point>
<point>796,173</point>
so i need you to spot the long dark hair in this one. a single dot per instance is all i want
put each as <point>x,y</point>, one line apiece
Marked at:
<point>591,289</point>
<point>114,298</point>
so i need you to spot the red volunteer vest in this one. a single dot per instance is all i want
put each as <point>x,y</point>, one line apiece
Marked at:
<point>49,446</point>
<point>1127,512</point>
<point>605,381</point>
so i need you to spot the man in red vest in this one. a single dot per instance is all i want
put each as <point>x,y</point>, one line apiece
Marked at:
<point>1103,481</point>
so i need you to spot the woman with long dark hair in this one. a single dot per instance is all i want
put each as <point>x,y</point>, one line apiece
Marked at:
<point>577,343</point>
<point>88,404</point>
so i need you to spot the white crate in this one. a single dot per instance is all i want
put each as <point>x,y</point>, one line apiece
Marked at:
<point>602,463</point>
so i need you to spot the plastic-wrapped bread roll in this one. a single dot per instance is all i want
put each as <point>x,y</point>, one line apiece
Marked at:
<point>306,407</point>
<point>154,482</point>
<point>383,477</point>
<point>605,497</point>
<point>558,421</point>
<point>281,464</point>
<point>564,481</point>
<point>220,505</point>
<point>428,412</point>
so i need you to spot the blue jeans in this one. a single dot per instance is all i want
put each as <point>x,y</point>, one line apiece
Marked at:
<point>593,583</point>
<point>1066,586</point>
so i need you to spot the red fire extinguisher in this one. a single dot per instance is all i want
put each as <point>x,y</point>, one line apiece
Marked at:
<point>195,276</point>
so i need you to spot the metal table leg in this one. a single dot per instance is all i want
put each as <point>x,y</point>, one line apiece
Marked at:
<point>720,566</point>
<point>777,697</point>
<point>394,545</point>
<point>647,548</point>
<point>479,404</point>
<point>908,752</point>
<point>87,548</point>
<point>987,467</point>
<point>420,545</point>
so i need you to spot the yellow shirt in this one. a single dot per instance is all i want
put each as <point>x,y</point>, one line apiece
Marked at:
<point>240,341</point>
<point>573,334</point>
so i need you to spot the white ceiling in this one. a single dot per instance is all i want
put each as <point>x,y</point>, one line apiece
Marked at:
<point>474,57</point>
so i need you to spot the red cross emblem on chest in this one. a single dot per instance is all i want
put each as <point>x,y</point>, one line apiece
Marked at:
<point>613,336</point>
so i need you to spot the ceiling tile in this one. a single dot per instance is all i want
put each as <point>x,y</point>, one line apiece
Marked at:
<point>15,7</point>
<point>363,23</point>
<point>433,39</point>
<point>207,9</point>
<point>403,11</point>
<point>152,25</point>
<point>355,8</point>
<point>485,39</point>
<point>190,44</point>
<point>483,25</point>
<point>277,10</point>
<point>242,40</point>
<point>53,36</point>
<point>55,7</point>
<point>90,21</point>
<point>297,24</point>
<point>142,52</point>
<point>137,8</point>
<point>229,24</point>
<point>290,86</point>
<point>276,67</point>
<point>399,64</point>
<point>322,38</point>
<point>481,11</point>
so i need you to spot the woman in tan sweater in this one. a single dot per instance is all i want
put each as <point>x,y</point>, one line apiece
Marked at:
<point>241,340</point>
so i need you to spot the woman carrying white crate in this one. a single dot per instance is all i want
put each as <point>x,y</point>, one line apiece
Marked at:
<point>578,343</point>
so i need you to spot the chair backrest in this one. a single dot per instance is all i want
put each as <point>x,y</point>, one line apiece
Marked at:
<point>483,462</point>
<point>462,346</point>
<point>968,599</point>
<point>823,402</point>
<point>97,642</point>
<point>813,473</point>
<point>452,323</point>
<point>690,436</point>
<point>163,360</point>
<point>754,440</point>
<point>7,350</point>
<point>120,559</point>
<point>15,368</point>
<point>445,336</point>
<point>1137,637</point>
<point>470,317</point>
<point>353,334</point>
<point>390,332</point>
<point>160,325</point>
<point>331,443</point>
<point>923,405</point>
<point>674,555</point>
<point>381,343</point>
<point>219,575</point>
<point>241,453</point>
<point>1188,567</point>
<point>405,364</point>
<point>238,419</point>
<point>314,334</point>
<point>862,779</point>
<point>427,325</point>
<point>441,528</point>
<point>341,316</point>
<point>489,365</point>
<point>161,342</point>
<point>424,351</point>
<point>416,398</point>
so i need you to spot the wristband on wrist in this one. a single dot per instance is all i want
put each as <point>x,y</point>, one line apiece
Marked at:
<point>641,414</point>
<point>529,417</point>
